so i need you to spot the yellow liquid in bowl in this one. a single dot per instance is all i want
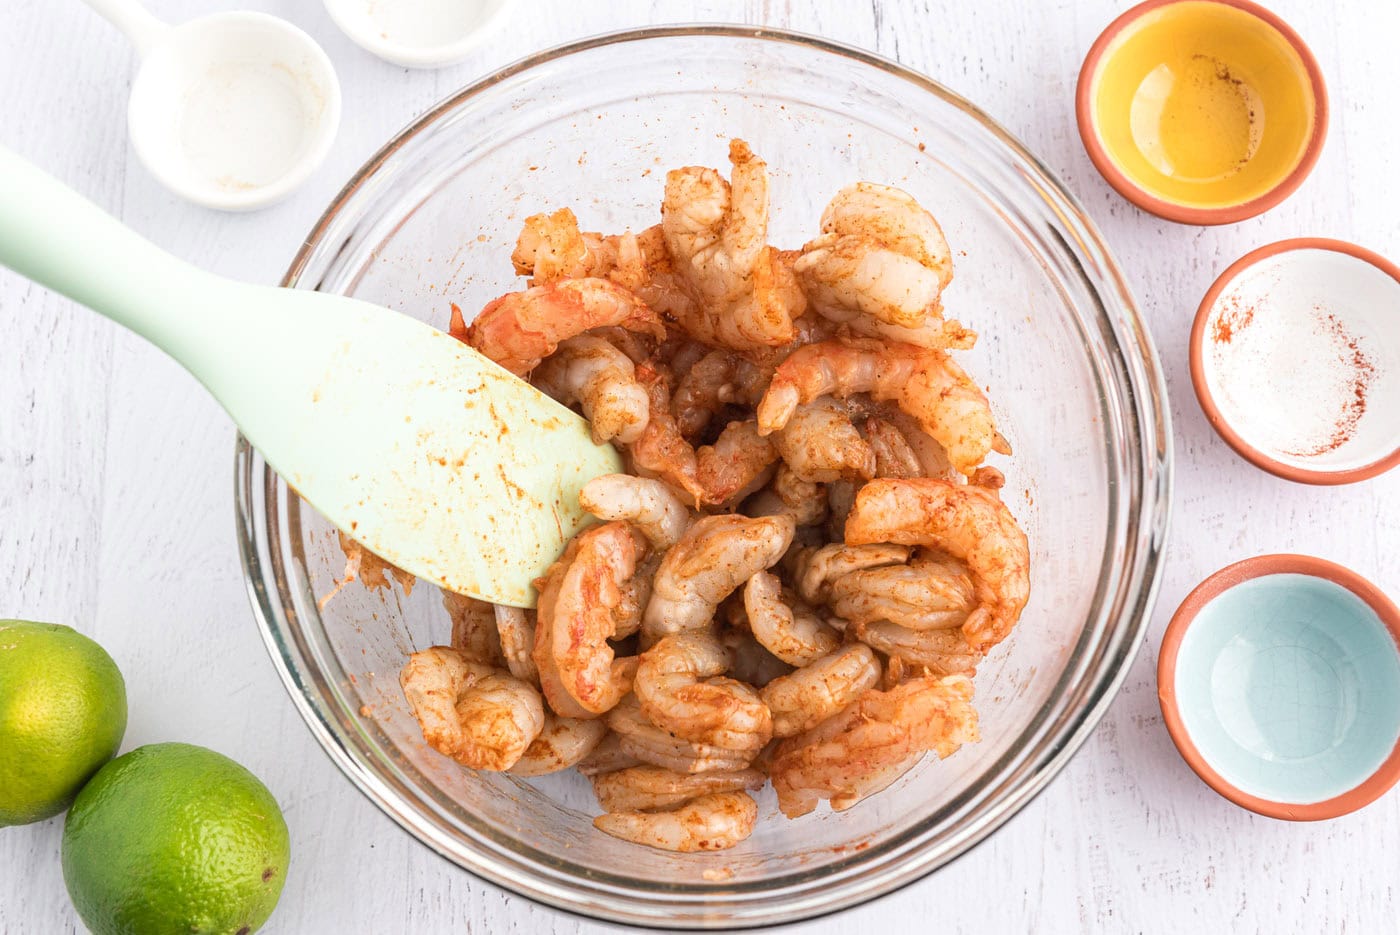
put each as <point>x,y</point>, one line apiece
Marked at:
<point>1202,104</point>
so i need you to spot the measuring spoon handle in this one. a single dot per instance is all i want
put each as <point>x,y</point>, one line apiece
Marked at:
<point>140,26</point>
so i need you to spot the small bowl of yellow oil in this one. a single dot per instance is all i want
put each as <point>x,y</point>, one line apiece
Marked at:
<point>1202,111</point>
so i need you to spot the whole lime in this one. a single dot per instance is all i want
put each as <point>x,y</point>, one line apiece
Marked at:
<point>62,715</point>
<point>174,838</point>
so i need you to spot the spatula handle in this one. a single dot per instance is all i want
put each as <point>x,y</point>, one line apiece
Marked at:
<point>56,237</point>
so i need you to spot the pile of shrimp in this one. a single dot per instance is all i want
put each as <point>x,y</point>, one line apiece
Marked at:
<point>798,576</point>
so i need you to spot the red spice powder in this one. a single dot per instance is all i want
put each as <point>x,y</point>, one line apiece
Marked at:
<point>1233,318</point>
<point>1360,371</point>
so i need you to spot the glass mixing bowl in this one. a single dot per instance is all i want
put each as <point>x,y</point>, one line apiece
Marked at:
<point>1072,376</point>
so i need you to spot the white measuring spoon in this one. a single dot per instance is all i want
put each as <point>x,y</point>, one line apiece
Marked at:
<point>231,111</point>
<point>414,444</point>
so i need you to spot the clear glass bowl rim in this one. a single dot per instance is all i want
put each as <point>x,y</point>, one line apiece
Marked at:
<point>1145,541</point>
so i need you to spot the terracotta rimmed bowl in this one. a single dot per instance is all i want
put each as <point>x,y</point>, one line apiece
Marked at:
<point>1295,360</point>
<point>1202,111</point>
<point>1279,680</point>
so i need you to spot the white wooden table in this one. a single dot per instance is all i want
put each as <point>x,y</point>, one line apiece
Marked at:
<point>116,513</point>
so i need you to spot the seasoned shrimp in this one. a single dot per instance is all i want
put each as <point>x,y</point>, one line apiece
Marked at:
<point>650,744</point>
<point>709,823</point>
<point>648,504</point>
<point>602,380</point>
<point>681,691</point>
<point>516,630</point>
<point>476,714</point>
<point>926,384</point>
<point>927,594</point>
<point>575,619</point>
<point>796,635</point>
<point>738,463</point>
<point>880,267</point>
<point>967,522</point>
<point>898,438</point>
<point>788,494</point>
<point>820,445</point>
<point>661,451</point>
<point>820,690</point>
<point>474,628</point>
<point>651,788</point>
<point>816,569</point>
<point>636,594</point>
<point>718,379</point>
<point>371,571</point>
<point>941,652</point>
<point>896,220</point>
<point>894,456</point>
<point>873,741</point>
<point>751,663</point>
<point>715,230</point>
<point>608,756</point>
<point>562,743</point>
<point>747,293</point>
<point>520,328</point>
<point>715,556</point>
<point>551,247</point>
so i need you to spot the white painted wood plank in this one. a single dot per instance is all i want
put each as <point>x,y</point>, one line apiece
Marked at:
<point>115,476</point>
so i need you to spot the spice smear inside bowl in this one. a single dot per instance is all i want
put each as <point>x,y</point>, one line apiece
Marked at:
<point>1293,355</point>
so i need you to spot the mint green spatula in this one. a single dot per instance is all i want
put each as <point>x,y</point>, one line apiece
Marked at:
<point>412,443</point>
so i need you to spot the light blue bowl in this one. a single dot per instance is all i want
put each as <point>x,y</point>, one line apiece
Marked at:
<point>1280,683</point>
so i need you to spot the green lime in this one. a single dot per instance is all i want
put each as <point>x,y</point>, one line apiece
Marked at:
<point>62,715</point>
<point>174,838</point>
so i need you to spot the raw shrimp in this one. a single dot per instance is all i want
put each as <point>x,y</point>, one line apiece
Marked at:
<point>651,788</point>
<point>681,690</point>
<point>926,384</point>
<point>715,230</point>
<point>967,522</point>
<point>551,247</point>
<point>636,593</point>
<point>650,744</point>
<point>578,597</point>
<point>820,690</point>
<point>715,556</point>
<point>870,743</point>
<point>816,569</point>
<point>476,714</point>
<point>371,570</point>
<point>474,628</point>
<point>751,663</point>
<point>896,220</point>
<point>896,436</point>
<point>941,652</point>
<point>820,445</point>
<point>709,823</point>
<point>608,756</point>
<point>662,451</point>
<point>738,463</point>
<point>718,379</point>
<point>788,494</point>
<point>562,743</point>
<point>926,594</point>
<point>602,380</point>
<point>520,328</point>
<point>796,635</point>
<point>746,293</point>
<point>648,504</point>
<point>880,267</point>
<point>516,629</point>
<point>894,456</point>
